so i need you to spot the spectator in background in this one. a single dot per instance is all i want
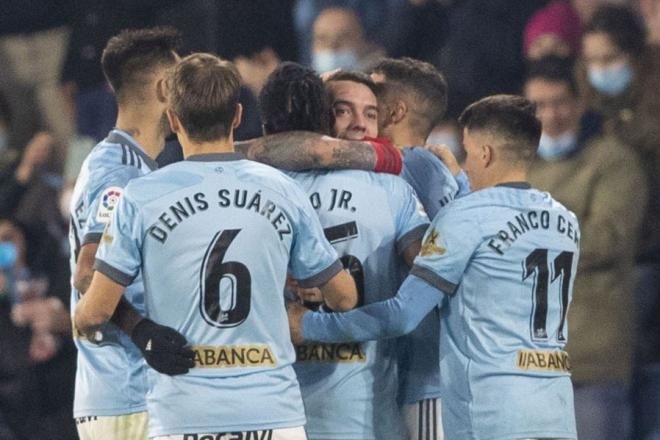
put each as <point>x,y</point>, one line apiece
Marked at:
<point>85,87</point>
<point>554,30</point>
<point>482,54</point>
<point>385,22</point>
<point>623,79</point>
<point>38,361</point>
<point>33,41</point>
<point>601,180</point>
<point>17,178</point>
<point>339,42</point>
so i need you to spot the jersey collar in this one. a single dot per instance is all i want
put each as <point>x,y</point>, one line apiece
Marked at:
<point>516,185</point>
<point>216,157</point>
<point>118,136</point>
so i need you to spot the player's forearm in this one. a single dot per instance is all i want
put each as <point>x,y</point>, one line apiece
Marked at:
<point>98,304</point>
<point>87,320</point>
<point>125,316</point>
<point>395,317</point>
<point>301,150</point>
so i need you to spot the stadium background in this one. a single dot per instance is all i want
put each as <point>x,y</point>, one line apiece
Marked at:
<point>54,106</point>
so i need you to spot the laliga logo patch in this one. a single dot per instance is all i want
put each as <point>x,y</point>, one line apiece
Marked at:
<point>109,200</point>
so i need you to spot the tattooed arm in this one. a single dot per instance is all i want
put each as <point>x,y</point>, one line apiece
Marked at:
<point>303,150</point>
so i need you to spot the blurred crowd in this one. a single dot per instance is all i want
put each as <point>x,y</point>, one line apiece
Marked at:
<point>592,67</point>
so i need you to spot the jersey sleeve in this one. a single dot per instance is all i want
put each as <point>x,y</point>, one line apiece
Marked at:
<point>119,255</point>
<point>448,246</point>
<point>394,317</point>
<point>103,200</point>
<point>313,260</point>
<point>429,176</point>
<point>411,219</point>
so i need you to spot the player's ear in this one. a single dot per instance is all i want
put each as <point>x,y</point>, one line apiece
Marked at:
<point>173,119</point>
<point>161,93</point>
<point>487,154</point>
<point>398,111</point>
<point>237,116</point>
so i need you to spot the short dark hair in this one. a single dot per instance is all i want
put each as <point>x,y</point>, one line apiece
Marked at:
<point>294,98</point>
<point>130,56</point>
<point>554,69</point>
<point>204,92</point>
<point>511,118</point>
<point>622,25</point>
<point>421,81</point>
<point>356,77</point>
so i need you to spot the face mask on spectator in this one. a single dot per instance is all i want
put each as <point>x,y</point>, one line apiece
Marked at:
<point>8,255</point>
<point>555,148</point>
<point>327,60</point>
<point>611,80</point>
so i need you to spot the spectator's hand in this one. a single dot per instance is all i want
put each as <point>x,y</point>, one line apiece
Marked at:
<point>163,348</point>
<point>43,314</point>
<point>296,313</point>
<point>36,154</point>
<point>43,346</point>
<point>443,153</point>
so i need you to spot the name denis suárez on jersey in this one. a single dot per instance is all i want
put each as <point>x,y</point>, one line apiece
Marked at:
<point>190,205</point>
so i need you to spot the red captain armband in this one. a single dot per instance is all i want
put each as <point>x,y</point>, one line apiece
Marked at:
<point>388,157</point>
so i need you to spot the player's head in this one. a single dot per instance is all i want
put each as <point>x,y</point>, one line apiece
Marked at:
<point>551,85</point>
<point>203,97</point>
<point>500,136</point>
<point>294,98</point>
<point>413,94</point>
<point>134,61</point>
<point>354,104</point>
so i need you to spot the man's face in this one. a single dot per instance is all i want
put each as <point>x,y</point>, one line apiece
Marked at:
<point>355,108</point>
<point>558,109</point>
<point>337,29</point>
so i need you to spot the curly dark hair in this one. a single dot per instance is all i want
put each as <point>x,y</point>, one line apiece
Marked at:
<point>294,98</point>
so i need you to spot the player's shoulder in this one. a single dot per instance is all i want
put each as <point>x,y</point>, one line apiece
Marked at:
<point>556,205</point>
<point>104,166</point>
<point>163,181</point>
<point>414,157</point>
<point>266,176</point>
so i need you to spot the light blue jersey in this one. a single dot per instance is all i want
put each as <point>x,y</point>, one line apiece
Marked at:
<point>111,373</point>
<point>350,390</point>
<point>214,236</point>
<point>434,184</point>
<point>418,352</point>
<point>506,258</point>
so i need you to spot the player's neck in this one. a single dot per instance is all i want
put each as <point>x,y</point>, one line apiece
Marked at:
<point>145,129</point>
<point>504,176</point>
<point>191,148</point>
<point>404,137</point>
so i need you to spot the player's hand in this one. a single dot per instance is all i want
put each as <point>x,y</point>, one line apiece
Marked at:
<point>443,153</point>
<point>296,312</point>
<point>163,348</point>
<point>325,76</point>
<point>312,294</point>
